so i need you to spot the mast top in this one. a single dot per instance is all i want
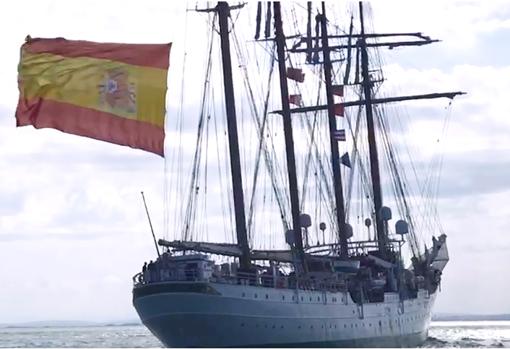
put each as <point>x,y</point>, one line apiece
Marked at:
<point>223,3</point>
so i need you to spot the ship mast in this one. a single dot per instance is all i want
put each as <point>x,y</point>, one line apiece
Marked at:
<point>372,144</point>
<point>335,156</point>
<point>223,10</point>
<point>289,140</point>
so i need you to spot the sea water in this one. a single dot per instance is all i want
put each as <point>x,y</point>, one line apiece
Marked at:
<point>441,334</point>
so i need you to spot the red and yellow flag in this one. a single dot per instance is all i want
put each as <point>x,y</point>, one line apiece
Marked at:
<point>110,92</point>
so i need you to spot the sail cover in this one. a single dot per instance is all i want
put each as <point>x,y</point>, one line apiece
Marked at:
<point>106,91</point>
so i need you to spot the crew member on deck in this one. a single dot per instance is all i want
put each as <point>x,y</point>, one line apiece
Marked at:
<point>144,272</point>
<point>150,273</point>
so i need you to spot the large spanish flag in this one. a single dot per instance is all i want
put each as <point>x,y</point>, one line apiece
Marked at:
<point>111,92</point>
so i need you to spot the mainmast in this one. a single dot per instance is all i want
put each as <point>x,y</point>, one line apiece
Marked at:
<point>372,144</point>
<point>237,182</point>
<point>335,155</point>
<point>289,140</point>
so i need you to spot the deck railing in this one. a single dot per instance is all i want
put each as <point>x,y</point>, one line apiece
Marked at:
<point>240,278</point>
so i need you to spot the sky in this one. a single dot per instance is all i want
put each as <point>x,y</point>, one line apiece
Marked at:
<point>73,229</point>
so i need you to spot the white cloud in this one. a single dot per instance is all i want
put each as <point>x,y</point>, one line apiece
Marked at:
<point>483,110</point>
<point>459,23</point>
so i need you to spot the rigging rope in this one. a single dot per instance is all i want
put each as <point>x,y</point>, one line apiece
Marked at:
<point>176,157</point>
<point>190,214</point>
<point>262,146</point>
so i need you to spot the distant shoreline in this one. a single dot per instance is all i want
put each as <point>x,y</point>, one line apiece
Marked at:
<point>470,317</point>
<point>64,324</point>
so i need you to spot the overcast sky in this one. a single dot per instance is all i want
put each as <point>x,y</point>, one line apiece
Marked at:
<point>72,227</point>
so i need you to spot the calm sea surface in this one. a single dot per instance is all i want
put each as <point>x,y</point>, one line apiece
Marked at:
<point>441,334</point>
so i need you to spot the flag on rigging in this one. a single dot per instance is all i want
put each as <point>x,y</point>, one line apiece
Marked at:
<point>295,74</point>
<point>295,99</point>
<point>339,109</point>
<point>339,135</point>
<point>345,160</point>
<point>338,90</point>
<point>106,91</point>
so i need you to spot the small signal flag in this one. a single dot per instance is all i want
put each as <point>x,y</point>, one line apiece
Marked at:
<point>339,135</point>
<point>295,74</point>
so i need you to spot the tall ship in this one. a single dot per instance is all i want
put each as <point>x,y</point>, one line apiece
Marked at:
<point>313,254</point>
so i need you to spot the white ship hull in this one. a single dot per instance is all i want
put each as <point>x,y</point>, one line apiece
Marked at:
<point>199,314</point>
